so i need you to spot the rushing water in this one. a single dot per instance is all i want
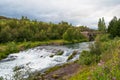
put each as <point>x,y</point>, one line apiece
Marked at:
<point>39,58</point>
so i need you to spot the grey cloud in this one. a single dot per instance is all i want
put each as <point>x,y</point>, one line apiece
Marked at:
<point>77,12</point>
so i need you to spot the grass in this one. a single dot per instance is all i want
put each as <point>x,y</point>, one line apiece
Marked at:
<point>82,74</point>
<point>13,47</point>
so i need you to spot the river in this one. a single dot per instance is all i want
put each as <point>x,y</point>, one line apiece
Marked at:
<point>40,58</point>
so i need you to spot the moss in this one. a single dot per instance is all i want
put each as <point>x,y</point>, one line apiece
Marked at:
<point>51,55</point>
<point>72,55</point>
<point>60,52</point>
<point>16,68</point>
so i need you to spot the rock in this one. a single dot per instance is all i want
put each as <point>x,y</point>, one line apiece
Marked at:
<point>60,52</point>
<point>58,59</point>
<point>55,76</point>
<point>51,56</point>
<point>72,55</point>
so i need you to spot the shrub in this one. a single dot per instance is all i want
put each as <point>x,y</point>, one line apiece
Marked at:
<point>2,55</point>
<point>96,47</point>
<point>11,47</point>
<point>87,58</point>
<point>104,38</point>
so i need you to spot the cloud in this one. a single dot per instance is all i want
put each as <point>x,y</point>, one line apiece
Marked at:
<point>77,12</point>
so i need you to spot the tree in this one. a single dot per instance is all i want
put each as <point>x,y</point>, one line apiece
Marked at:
<point>101,25</point>
<point>27,30</point>
<point>68,35</point>
<point>5,34</point>
<point>78,35</point>
<point>114,27</point>
<point>72,34</point>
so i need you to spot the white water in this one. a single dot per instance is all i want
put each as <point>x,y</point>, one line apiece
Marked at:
<point>39,58</point>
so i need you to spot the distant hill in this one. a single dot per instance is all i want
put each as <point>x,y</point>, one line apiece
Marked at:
<point>3,17</point>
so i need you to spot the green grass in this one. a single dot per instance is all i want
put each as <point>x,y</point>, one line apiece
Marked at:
<point>83,73</point>
<point>13,47</point>
<point>108,68</point>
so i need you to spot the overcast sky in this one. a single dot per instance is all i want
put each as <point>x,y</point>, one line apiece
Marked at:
<point>77,12</point>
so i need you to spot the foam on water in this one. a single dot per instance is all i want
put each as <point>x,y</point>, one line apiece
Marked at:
<point>38,58</point>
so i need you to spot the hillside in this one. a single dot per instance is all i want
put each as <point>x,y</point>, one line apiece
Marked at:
<point>106,67</point>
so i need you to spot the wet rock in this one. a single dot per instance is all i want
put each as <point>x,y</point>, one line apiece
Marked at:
<point>28,63</point>
<point>12,57</point>
<point>9,58</point>
<point>16,68</point>
<point>41,56</point>
<point>59,59</point>
<point>51,56</point>
<point>60,52</point>
<point>72,55</point>
<point>54,51</point>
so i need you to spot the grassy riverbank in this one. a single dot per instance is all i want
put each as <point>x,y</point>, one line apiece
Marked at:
<point>13,47</point>
<point>102,62</point>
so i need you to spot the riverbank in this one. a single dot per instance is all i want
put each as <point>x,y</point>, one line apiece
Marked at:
<point>63,72</point>
<point>13,47</point>
<point>59,72</point>
<point>106,68</point>
<point>104,62</point>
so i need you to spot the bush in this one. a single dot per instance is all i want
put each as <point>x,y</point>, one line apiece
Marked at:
<point>2,55</point>
<point>73,34</point>
<point>108,67</point>
<point>87,58</point>
<point>104,37</point>
<point>108,71</point>
<point>96,47</point>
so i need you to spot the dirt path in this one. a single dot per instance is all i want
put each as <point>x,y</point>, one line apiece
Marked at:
<point>62,72</point>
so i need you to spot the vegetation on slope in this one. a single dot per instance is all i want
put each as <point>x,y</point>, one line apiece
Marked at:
<point>102,61</point>
<point>107,66</point>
